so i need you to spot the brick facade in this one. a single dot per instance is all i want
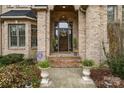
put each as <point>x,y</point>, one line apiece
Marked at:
<point>90,27</point>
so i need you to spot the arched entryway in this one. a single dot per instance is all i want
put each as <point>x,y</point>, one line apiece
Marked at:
<point>64,27</point>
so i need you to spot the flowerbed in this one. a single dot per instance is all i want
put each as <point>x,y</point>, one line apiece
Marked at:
<point>103,78</point>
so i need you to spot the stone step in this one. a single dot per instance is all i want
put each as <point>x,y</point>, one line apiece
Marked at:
<point>65,61</point>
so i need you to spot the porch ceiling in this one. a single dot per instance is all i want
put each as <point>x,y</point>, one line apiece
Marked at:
<point>64,8</point>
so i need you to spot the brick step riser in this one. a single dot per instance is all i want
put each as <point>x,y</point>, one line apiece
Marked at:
<point>65,59</point>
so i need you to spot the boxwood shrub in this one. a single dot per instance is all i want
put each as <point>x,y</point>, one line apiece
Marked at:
<point>11,58</point>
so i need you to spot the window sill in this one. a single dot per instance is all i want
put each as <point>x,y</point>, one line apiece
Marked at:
<point>17,48</point>
<point>34,48</point>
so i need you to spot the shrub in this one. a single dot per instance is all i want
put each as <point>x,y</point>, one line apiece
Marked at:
<point>11,76</point>
<point>11,58</point>
<point>27,62</point>
<point>88,63</point>
<point>1,57</point>
<point>44,64</point>
<point>116,64</point>
<point>18,76</point>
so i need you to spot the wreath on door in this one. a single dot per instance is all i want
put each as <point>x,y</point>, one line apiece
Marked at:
<point>63,34</point>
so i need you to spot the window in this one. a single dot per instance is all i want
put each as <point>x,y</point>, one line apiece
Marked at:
<point>123,13</point>
<point>16,35</point>
<point>33,36</point>
<point>112,13</point>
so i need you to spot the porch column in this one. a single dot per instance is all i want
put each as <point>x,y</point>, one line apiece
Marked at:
<point>93,33</point>
<point>81,34</point>
<point>41,34</point>
<point>48,33</point>
<point>28,39</point>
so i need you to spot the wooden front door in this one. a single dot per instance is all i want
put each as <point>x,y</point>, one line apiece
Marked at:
<point>63,40</point>
<point>63,36</point>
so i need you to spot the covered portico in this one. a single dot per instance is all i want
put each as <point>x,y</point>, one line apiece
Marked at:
<point>58,26</point>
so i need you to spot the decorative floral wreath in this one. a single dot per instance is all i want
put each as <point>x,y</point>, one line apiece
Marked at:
<point>63,34</point>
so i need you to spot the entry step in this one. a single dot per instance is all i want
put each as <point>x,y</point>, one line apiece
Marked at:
<point>65,61</point>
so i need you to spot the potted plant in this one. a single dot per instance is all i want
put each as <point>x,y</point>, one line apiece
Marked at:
<point>87,65</point>
<point>75,43</point>
<point>54,44</point>
<point>44,66</point>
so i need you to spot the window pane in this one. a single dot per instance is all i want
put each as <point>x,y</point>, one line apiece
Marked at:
<point>33,36</point>
<point>21,41</point>
<point>122,13</point>
<point>21,29</point>
<point>13,41</point>
<point>12,35</point>
<point>13,30</point>
<point>111,12</point>
<point>63,25</point>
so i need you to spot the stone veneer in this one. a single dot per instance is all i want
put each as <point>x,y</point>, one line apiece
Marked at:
<point>82,34</point>
<point>92,31</point>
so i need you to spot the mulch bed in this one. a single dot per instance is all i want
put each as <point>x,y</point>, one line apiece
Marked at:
<point>103,78</point>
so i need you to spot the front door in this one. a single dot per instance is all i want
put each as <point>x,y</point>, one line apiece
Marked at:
<point>63,40</point>
<point>63,36</point>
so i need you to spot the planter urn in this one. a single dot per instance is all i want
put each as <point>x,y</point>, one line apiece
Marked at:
<point>86,74</point>
<point>45,77</point>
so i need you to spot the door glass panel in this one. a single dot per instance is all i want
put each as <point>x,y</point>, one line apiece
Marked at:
<point>63,25</point>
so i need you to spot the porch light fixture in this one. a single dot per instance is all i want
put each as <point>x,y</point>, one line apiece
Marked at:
<point>63,16</point>
<point>63,6</point>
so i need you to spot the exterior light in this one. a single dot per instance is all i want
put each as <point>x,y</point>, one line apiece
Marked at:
<point>63,7</point>
<point>63,16</point>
